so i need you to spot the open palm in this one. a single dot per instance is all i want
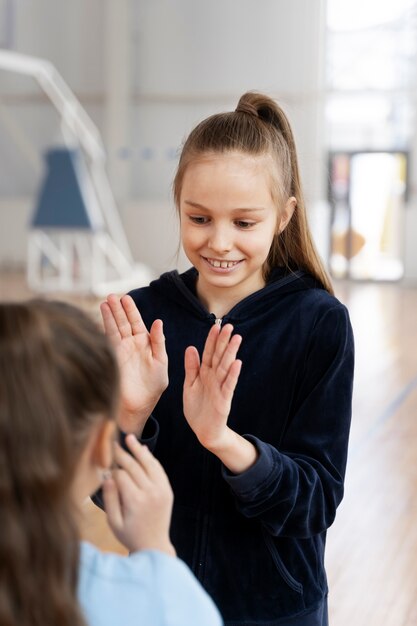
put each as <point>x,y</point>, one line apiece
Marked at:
<point>209,385</point>
<point>142,358</point>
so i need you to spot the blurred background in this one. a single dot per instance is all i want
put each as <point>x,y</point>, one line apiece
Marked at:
<point>96,97</point>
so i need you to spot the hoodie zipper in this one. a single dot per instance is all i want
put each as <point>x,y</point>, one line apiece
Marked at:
<point>284,281</point>
<point>197,306</point>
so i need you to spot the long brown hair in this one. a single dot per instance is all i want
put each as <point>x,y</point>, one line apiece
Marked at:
<point>58,376</point>
<point>259,126</point>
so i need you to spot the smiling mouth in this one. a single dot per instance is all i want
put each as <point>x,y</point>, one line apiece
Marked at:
<point>221,264</point>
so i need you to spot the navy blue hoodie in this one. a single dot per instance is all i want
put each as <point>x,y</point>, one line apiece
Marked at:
<point>256,540</point>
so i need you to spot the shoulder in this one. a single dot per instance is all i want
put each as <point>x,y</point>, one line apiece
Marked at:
<point>153,297</point>
<point>322,308</point>
<point>319,300</point>
<point>150,584</point>
<point>159,286</point>
<point>167,296</point>
<point>321,319</point>
<point>330,339</point>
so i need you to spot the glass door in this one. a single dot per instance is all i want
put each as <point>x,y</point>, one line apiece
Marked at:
<point>367,194</point>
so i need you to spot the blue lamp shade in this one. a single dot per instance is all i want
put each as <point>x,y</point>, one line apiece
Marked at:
<point>66,198</point>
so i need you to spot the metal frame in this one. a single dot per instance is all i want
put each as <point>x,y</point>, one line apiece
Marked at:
<point>107,252</point>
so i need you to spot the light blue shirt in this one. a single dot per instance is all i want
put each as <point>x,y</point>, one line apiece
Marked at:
<point>147,588</point>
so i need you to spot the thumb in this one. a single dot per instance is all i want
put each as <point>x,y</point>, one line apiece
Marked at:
<point>157,338</point>
<point>191,366</point>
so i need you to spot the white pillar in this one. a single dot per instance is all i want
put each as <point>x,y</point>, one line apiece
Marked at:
<point>309,100</point>
<point>117,78</point>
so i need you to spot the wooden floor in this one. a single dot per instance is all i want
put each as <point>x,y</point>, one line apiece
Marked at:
<point>372,547</point>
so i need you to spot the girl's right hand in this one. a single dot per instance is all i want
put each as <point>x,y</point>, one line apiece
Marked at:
<point>138,499</point>
<point>142,358</point>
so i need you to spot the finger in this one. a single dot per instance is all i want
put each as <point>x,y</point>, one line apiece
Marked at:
<point>119,315</point>
<point>133,316</point>
<point>131,465</point>
<point>128,489</point>
<point>222,343</point>
<point>110,327</point>
<point>148,463</point>
<point>112,505</point>
<point>191,366</point>
<point>232,377</point>
<point>158,341</point>
<point>229,356</point>
<point>210,345</point>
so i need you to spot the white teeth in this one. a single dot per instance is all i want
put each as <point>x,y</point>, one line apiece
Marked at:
<point>222,264</point>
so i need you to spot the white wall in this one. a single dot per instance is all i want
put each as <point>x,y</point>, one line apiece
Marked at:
<point>199,60</point>
<point>187,60</point>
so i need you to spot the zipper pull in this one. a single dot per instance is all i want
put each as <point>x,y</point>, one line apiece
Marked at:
<point>218,321</point>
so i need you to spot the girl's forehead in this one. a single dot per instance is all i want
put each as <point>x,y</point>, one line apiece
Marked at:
<point>226,182</point>
<point>237,169</point>
<point>230,165</point>
<point>232,158</point>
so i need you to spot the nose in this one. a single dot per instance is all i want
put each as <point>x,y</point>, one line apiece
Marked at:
<point>220,240</point>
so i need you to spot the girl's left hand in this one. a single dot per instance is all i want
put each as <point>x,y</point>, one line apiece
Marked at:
<point>209,385</point>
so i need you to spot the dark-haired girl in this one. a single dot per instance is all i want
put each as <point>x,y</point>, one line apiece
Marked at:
<point>59,395</point>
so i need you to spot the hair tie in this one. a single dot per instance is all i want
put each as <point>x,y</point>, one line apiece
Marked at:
<point>247,107</point>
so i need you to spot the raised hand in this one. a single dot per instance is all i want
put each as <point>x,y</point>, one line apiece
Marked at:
<point>138,499</point>
<point>142,360</point>
<point>209,386</point>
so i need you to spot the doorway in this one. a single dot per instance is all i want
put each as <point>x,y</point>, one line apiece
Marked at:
<point>367,195</point>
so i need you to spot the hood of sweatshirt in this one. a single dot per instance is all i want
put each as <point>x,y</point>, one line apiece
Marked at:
<point>181,289</point>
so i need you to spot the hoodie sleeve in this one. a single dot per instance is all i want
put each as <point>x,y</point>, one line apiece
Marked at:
<point>295,488</point>
<point>149,436</point>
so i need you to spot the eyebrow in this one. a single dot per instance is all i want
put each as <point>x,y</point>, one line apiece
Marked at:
<point>196,205</point>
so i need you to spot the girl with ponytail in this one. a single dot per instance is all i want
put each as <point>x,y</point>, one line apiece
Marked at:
<point>258,463</point>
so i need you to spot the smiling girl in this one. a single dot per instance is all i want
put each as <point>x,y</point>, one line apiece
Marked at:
<point>257,465</point>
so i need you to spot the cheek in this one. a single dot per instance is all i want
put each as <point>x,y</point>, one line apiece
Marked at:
<point>264,241</point>
<point>190,238</point>
<point>184,230</point>
<point>258,249</point>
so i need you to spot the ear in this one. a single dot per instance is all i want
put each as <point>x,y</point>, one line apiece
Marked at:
<point>287,213</point>
<point>102,444</point>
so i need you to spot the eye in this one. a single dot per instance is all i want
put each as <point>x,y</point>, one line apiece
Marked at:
<point>198,219</point>
<point>244,224</point>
